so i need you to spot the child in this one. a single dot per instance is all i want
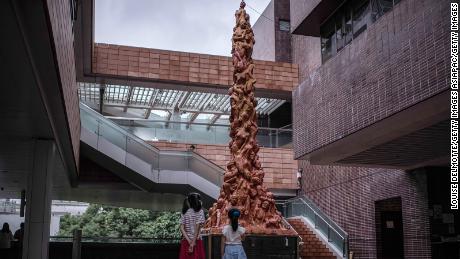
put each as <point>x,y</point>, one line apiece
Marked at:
<point>190,225</point>
<point>231,246</point>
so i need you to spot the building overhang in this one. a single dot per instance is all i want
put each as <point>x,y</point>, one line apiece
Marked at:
<point>412,138</point>
<point>39,90</point>
<point>310,26</point>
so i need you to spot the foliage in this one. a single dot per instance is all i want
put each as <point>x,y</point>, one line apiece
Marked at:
<point>107,221</point>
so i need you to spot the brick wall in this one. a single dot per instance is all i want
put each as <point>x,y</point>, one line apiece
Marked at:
<point>348,195</point>
<point>184,67</point>
<point>400,60</point>
<point>59,12</point>
<point>302,55</point>
<point>279,166</point>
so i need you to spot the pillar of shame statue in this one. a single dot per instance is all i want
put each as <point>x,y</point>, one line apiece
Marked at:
<point>243,180</point>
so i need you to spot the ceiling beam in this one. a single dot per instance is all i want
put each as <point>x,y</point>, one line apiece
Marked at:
<point>128,99</point>
<point>151,104</point>
<point>276,106</point>
<point>101,97</point>
<point>181,103</point>
<point>213,120</point>
<point>192,118</point>
<point>135,106</point>
<point>221,102</point>
<point>171,99</point>
<point>168,118</point>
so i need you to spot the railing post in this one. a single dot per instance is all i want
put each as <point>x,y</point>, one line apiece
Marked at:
<point>98,134</point>
<point>76,244</point>
<point>276,138</point>
<point>328,234</point>
<point>316,220</point>
<point>126,148</point>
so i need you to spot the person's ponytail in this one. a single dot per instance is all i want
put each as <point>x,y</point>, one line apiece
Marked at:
<point>234,221</point>
<point>234,214</point>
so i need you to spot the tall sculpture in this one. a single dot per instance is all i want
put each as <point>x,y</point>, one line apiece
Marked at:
<point>243,180</point>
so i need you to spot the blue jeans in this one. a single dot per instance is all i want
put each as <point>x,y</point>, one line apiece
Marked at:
<point>234,252</point>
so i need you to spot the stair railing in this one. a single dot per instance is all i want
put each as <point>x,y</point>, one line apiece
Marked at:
<point>106,129</point>
<point>301,206</point>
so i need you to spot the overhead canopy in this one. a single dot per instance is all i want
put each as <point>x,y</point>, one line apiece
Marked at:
<point>167,101</point>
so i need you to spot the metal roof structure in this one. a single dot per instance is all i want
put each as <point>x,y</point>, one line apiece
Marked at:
<point>192,104</point>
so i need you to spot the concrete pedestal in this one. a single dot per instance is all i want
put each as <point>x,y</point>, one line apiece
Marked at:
<point>38,201</point>
<point>257,247</point>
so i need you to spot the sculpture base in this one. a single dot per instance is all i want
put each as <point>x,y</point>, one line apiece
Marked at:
<point>257,246</point>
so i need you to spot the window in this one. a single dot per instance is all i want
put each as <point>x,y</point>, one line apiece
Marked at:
<point>328,41</point>
<point>380,7</point>
<point>339,32</point>
<point>285,25</point>
<point>361,15</point>
<point>348,22</point>
<point>348,27</point>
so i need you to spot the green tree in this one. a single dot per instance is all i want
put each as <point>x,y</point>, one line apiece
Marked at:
<point>108,221</point>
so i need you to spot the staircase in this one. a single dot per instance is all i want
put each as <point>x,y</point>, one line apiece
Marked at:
<point>313,247</point>
<point>322,238</point>
<point>143,165</point>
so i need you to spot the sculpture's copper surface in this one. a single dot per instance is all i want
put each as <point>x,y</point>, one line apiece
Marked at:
<point>243,180</point>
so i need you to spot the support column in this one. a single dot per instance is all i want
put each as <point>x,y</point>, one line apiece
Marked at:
<point>38,202</point>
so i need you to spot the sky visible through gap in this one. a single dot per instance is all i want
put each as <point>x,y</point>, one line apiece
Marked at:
<point>198,26</point>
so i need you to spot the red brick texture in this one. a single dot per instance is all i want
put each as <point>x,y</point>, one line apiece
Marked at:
<point>400,60</point>
<point>278,163</point>
<point>348,196</point>
<point>184,67</point>
<point>313,247</point>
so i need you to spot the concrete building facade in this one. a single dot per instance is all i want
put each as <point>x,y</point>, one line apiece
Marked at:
<point>272,33</point>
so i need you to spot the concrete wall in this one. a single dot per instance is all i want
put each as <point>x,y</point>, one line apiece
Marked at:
<point>400,60</point>
<point>278,163</point>
<point>187,68</point>
<point>301,9</point>
<point>264,33</point>
<point>282,38</point>
<point>272,43</point>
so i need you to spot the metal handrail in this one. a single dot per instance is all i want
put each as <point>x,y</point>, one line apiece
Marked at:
<point>116,118</point>
<point>281,136</point>
<point>285,127</point>
<point>113,125</point>
<point>116,240</point>
<point>101,120</point>
<point>328,221</point>
<point>317,216</point>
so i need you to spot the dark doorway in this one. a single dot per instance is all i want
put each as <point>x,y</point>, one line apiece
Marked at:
<point>389,229</point>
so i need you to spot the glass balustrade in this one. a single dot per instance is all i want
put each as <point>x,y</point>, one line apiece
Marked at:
<point>303,207</point>
<point>125,146</point>
<point>198,133</point>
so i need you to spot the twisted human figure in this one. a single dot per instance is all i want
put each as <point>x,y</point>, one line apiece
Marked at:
<point>243,187</point>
